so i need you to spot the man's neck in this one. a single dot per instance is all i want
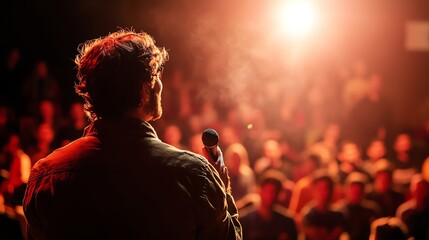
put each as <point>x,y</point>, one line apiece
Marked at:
<point>138,113</point>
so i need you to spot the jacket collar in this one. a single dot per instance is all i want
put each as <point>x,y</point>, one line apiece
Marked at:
<point>120,126</point>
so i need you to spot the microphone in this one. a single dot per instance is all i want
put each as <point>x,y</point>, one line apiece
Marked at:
<point>210,140</point>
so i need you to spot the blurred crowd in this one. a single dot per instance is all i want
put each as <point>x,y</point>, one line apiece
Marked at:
<point>322,159</point>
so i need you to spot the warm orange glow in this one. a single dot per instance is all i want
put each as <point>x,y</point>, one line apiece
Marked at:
<point>296,17</point>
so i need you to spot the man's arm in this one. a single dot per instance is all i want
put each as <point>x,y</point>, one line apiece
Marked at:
<point>221,202</point>
<point>219,213</point>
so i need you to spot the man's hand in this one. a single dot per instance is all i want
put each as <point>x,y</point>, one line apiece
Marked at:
<point>219,165</point>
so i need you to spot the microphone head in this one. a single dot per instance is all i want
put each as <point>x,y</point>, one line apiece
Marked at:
<point>210,138</point>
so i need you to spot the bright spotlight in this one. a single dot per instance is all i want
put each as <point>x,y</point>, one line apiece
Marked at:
<point>296,17</point>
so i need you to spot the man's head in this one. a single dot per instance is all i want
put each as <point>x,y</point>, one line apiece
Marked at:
<point>349,153</point>
<point>323,188</point>
<point>272,149</point>
<point>120,73</point>
<point>383,181</point>
<point>402,143</point>
<point>271,184</point>
<point>355,187</point>
<point>383,176</point>
<point>235,156</point>
<point>376,150</point>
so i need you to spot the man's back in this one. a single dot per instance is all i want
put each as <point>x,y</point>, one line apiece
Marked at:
<point>121,182</point>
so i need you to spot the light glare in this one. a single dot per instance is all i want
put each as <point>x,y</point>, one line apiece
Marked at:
<point>297,17</point>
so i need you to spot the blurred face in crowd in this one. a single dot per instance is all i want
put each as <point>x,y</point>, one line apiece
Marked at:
<point>47,110</point>
<point>233,163</point>
<point>376,150</point>
<point>355,193</point>
<point>382,182</point>
<point>172,135</point>
<point>268,195</point>
<point>332,133</point>
<point>402,143</point>
<point>349,153</point>
<point>76,111</point>
<point>13,144</point>
<point>322,193</point>
<point>236,157</point>
<point>272,149</point>
<point>45,134</point>
<point>42,69</point>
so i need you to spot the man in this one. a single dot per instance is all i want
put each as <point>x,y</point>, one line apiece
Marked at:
<point>358,212</point>
<point>318,220</point>
<point>415,212</point>
<point>269,220</point>
<point>349,160</point>
<point>383,193</point>
<point>119,181</point>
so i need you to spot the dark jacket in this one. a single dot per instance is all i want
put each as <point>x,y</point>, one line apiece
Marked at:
<point>119,181</point>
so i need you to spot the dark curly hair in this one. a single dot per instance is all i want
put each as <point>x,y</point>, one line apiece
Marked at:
<point>112,69</point>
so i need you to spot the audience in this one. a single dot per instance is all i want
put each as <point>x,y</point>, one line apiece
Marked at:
<point>341,125</point>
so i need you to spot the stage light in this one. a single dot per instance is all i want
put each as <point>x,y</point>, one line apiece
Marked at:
<point>296,18</point>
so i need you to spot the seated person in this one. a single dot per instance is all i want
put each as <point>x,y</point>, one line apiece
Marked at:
<point>319,220</point>
<point>268,220</point>
<point>358,212</point>
<point>383,193</point>
<point>241,174</point>
<point>415,212</point>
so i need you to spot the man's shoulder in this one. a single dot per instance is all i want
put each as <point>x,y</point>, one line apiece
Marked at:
<point>171,158</point>
<point>67,157</point>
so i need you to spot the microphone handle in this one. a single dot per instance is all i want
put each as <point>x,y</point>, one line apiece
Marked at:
<point>213,152</point>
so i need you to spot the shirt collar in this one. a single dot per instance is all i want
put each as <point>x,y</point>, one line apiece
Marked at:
<point>120,126</point>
